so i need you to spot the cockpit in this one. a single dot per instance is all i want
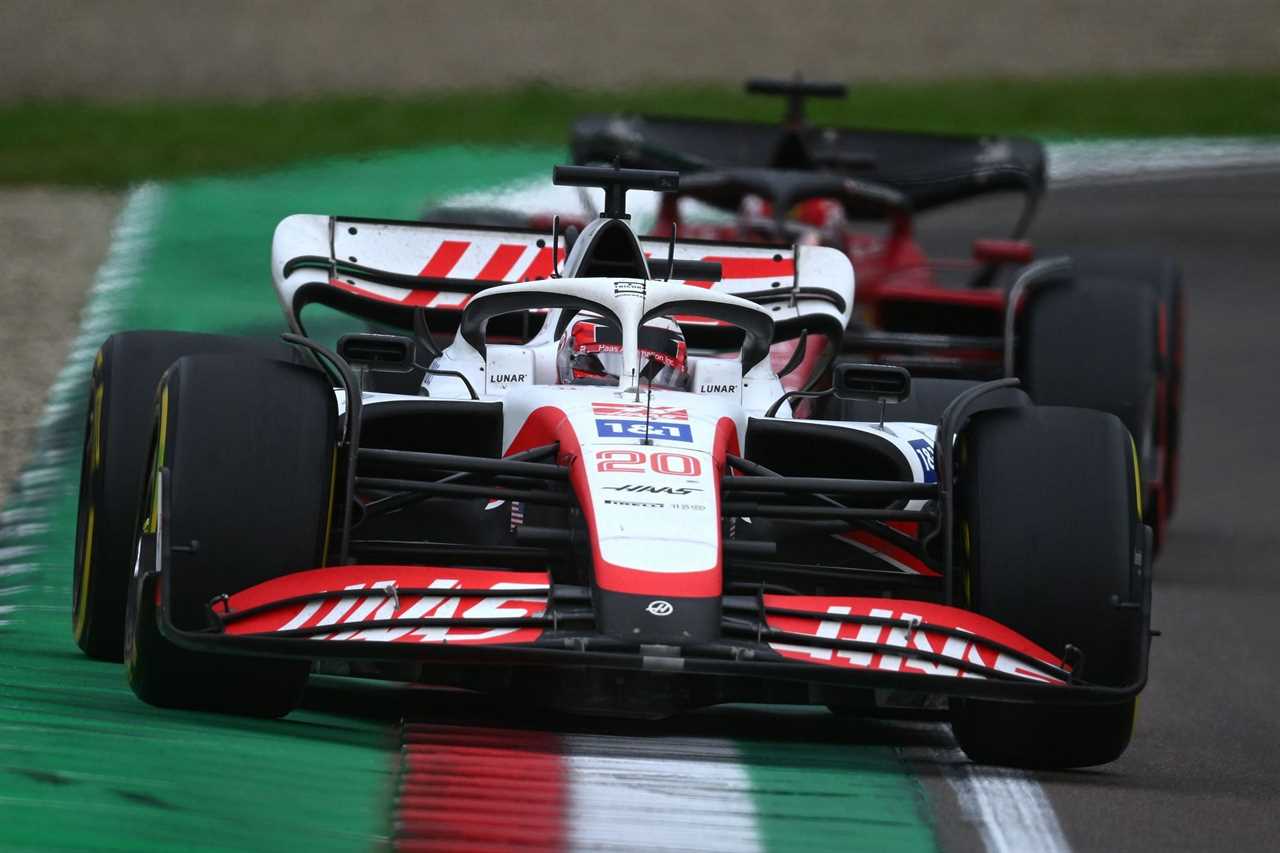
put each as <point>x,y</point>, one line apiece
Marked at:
<point>623,334</point>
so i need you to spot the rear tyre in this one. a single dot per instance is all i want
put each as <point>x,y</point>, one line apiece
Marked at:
<point>117,431</point>
<point>1048,512</point>
<point>249,447</point>
<point>1093,342</point>
<point>1163,277</point>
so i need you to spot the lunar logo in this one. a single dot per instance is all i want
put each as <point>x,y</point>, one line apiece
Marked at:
<point>660,608</point>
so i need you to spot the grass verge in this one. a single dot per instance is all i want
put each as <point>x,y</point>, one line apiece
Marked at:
<point>113,145</point>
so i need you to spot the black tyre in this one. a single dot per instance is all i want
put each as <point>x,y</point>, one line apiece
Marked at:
<point>249,447</point>
<point>1048,512</point>
<point>117,432</point>
<point>929,398</point>
<point>1163,277</point>
<point>1094,342</point>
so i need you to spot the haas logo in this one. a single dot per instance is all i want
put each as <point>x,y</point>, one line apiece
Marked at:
<point>655,490</point>
<point>347,618</point>
<point>660,608</point>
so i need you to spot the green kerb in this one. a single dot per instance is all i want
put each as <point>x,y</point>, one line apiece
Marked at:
<point>813,797</point>
<point>85,764</point>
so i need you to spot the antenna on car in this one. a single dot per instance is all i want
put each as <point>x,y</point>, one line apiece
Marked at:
<point>644,294</point>
<point>648,405</point>
<point>555,246</point>
<point>648,400</point>
<point>671,252</point>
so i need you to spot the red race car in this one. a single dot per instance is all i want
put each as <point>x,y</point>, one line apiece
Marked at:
<point>1092,329</point>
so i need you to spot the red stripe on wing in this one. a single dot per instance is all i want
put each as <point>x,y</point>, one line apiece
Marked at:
<point>504,258</point>
<point>445,258</point>
<point>540,266</point>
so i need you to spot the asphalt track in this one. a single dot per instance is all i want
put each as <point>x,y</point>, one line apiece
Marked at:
<point>1203,771</point>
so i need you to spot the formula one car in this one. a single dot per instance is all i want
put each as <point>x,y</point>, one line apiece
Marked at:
<point>1104,330</point>
<point>601,497</point>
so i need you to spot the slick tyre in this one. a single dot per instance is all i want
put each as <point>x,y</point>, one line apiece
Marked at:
<point>1094,342</point>
<point>167,676</point>
<point>117,432</point>
<point>1163,277</point>
<point>1052,542</point>
<point>244,450</point>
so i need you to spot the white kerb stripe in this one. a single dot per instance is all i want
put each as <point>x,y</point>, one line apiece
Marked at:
<point>656,794</point>
<point>1008,808</point>
<point>1102,161</point>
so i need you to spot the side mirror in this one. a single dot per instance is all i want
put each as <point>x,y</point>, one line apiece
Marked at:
<point>879,383</point>
<point>389,353</point>
<point>1003,251</point>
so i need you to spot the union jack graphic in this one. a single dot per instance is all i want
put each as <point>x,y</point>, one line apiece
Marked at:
<point>637,410</point>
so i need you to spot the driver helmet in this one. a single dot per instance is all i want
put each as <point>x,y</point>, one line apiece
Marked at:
<point>590,353</point>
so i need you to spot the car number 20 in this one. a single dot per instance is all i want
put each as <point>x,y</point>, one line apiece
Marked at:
<point>635,462</point>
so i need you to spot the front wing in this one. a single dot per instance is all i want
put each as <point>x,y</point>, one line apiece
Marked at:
<point>487,617</point>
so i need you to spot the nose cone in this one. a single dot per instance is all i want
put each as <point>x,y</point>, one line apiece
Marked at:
<point>654,518</point>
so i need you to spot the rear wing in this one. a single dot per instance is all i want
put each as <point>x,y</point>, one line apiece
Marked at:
<point>930,169</point>
<point>385,271</point>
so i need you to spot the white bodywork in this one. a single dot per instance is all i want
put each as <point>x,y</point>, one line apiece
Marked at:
<point>652,459</point>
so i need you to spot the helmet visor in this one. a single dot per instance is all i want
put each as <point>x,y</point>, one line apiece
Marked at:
<point>596,368</point>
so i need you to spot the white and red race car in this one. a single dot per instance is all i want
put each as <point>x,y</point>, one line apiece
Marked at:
<point>612,491</point>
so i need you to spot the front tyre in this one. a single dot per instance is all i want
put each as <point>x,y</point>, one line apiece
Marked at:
<point>241,486</point>
<point>1054,545</point>
<point>117,432</point>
